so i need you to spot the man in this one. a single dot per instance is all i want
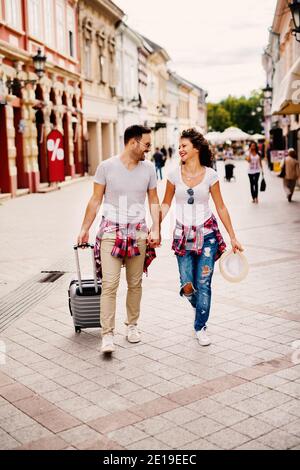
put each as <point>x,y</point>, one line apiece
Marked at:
<point>170,151</point>
<point>164,152</point>
<point>123,181</point>
<point>159,162</point>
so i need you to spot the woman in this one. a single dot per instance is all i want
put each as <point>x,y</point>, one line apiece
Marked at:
<point>197,240</point>
<point>255,166</point>
<point>291,166</point>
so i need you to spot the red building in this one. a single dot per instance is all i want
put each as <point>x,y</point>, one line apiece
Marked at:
<point>28,113</point>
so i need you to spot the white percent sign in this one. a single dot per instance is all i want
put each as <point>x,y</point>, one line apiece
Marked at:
<point>53,146</point>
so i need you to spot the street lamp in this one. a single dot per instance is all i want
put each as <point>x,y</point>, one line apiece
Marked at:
<point>39,62</point>
<point>294,6</point>
<point>267,91</point>
<point>15,85</point>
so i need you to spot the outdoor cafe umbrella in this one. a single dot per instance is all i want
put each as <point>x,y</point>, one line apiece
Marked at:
<point>235,134</point>
<point>214,137</point>
<point>257,137</point>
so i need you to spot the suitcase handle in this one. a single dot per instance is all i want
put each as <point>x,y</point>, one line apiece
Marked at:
<point>85,245</point>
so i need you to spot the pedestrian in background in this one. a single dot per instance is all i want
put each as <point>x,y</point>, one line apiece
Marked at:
<point>255,166</point>
<point>170,151</point>
<point>268,154</point>
<point>159,162</point>
<point>123,235</point>
<point>197,241</point>
<point>291,170</point>
<point>164,151</point>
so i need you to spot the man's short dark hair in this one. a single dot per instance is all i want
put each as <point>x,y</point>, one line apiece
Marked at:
<point>135,132</point>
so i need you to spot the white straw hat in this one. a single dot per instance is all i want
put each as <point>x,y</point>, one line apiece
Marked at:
<point>233,266</point>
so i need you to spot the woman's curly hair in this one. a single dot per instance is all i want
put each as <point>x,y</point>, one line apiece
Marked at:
<point>200,143</point>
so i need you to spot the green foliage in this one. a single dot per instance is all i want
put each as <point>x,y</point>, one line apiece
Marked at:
<point>242,112</point>
<point>218,117</point>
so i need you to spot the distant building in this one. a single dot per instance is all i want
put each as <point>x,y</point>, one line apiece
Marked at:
<point>129,44</point>
<point>192,109</point>
<point>97,37</point>
<point>281,62</point>
<point>27,114</point>
<point>157,72</point>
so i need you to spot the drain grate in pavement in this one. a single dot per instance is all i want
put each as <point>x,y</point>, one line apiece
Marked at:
<point>52,276</point>
<point>20,300</point>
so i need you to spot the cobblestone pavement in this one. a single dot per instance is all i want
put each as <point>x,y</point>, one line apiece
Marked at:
<point>242,392</point>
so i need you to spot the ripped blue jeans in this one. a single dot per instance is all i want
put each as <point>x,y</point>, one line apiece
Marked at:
<point>197,270</point>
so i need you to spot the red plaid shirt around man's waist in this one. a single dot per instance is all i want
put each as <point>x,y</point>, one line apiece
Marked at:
<point>125,242</point>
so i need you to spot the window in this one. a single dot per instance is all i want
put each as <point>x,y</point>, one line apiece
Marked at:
<point>35,16</point>
<point>87,58</point>
<point>61,26</point>
<point>13,13</point>
<point>71,31</point>
<point>133,91</point>
<point>103,68</point>
<point>49,22</point>
<point>119,73</point>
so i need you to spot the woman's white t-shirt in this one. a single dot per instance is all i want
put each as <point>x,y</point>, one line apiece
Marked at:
<point>198,212</point>
<point>254,166</point>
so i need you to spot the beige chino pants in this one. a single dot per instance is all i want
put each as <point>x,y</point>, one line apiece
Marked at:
<point>111,270</point>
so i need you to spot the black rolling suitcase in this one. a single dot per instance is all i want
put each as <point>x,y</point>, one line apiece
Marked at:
<point>84,296</point>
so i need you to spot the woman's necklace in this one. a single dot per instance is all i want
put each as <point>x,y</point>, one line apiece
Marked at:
<point>191,177</point>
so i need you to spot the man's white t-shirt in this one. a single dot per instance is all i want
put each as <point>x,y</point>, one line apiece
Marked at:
<point>125,190</point>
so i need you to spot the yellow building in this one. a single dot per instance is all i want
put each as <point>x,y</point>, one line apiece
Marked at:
<point>157,77</point>
<point>97,35</point>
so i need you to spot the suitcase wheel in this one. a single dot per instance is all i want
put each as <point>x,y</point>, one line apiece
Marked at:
<point>77,329</point>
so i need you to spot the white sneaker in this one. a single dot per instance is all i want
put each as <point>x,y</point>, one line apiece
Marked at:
<point>133,335</point>
<point>203,338</point>
<point>108,343</point>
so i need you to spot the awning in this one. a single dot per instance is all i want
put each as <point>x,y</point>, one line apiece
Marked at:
<point>287,97</point>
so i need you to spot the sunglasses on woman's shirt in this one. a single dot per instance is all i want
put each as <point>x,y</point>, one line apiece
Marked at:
<point>191,199</point>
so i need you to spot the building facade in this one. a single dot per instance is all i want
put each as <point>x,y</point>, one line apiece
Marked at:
<point>173,110</point>
<point>98,20</point>
<point>100,77</point>
<point>129,44</point>
<point>157,79</point>
<point>186,107</point>
<point>28,113</point>
<point>281,61</point>
<point>202,110</point>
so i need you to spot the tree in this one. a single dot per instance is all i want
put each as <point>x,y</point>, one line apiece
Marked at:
<point>242,112</point>
<point>218,117</point>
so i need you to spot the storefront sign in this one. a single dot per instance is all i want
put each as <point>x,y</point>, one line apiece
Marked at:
<point>55,151</point>
<point>278,155</point>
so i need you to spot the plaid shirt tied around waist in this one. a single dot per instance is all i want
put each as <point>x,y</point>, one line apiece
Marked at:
<point>192,237</point>
<point>125,242</point>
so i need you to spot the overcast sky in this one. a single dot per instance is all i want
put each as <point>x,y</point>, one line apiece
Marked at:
<point>216,44</point>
